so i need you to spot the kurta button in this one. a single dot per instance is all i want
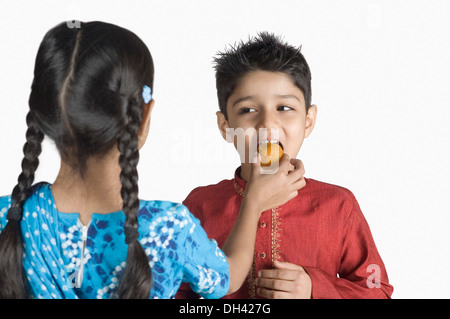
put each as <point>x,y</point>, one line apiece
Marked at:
<point>262,224</point>
<point>262,255</point>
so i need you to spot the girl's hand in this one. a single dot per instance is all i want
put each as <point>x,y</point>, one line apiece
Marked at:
<point>271,190</point>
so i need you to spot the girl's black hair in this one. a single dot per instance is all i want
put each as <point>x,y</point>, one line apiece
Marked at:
<point>265,52</point>
<point>86,96</point>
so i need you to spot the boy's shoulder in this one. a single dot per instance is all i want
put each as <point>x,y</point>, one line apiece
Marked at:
<point>201,191</point>
<point>328,190</point>
<point>313,187</point>
<point>328,196</point>
<point>213,193</point>
<point>315,192</point>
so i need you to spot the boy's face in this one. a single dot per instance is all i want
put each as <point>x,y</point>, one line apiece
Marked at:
<point>269,100</point>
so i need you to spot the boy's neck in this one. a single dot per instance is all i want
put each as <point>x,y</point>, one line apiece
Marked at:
<point>244,172</point>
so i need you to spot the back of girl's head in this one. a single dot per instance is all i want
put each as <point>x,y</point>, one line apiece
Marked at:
<point>265,52</point>
<point>85,81</point>
<point>86,96</point>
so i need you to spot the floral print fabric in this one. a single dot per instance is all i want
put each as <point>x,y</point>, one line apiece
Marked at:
<point>65,259</point>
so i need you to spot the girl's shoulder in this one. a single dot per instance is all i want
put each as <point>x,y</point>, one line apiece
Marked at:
<point>5,203</point>
<point>165,216</point>
<point>154,209</point>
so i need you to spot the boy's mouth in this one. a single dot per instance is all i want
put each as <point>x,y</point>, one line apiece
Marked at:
<point>270,152</point>
<point>272,142</point>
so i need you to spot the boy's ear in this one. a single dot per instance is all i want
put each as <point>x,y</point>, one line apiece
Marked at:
<point>222,124</point>
<point>311,117</point>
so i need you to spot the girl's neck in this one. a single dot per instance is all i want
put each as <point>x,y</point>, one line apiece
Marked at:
<point>97,192</point>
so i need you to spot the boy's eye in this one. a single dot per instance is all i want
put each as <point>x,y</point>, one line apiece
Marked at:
<point>246,110</point>
<point>284,108</point>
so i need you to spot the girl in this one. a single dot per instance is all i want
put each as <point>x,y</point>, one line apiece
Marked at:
<point>88,235</point>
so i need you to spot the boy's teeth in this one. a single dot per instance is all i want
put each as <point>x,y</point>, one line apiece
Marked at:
<point>271,141</point>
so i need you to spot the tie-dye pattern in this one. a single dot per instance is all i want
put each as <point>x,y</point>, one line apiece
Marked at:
<point>65,259</point>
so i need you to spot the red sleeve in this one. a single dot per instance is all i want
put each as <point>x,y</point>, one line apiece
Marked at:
<point>362,273</point>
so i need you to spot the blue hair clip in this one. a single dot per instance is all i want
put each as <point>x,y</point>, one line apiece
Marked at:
<point>147,94</point>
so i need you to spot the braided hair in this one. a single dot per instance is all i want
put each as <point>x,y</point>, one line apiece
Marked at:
<point>86,96</point>
<point>128,160</point>
<point>12,274</point>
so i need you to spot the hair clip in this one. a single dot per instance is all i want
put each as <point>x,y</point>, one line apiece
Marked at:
<point>147,94</point>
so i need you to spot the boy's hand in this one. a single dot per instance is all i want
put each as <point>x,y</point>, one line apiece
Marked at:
<point>286,281</point>
<point>272,190</point>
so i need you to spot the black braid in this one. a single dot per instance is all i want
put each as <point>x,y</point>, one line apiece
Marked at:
<point>13,282</point>
<point>136,280</point>
<point>31,150</point>
<point>128,160</point>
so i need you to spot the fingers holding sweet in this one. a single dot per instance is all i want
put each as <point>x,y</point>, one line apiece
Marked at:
<point>284,163</point>
<point>298,165</point>
<point>273,188</point>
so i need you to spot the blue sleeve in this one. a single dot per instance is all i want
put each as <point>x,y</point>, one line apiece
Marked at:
<point>5,203</point>
<point>206,266</point>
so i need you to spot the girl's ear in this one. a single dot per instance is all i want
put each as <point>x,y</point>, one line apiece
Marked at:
<point>222,124</point>
<point>311,117</point>
<point>145,124</point>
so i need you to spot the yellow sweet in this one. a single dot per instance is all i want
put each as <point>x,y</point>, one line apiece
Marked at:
<point>270,153</point>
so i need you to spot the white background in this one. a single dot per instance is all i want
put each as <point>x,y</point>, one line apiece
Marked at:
<point>381,81</point>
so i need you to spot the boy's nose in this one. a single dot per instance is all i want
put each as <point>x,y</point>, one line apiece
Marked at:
<point>267,121</point>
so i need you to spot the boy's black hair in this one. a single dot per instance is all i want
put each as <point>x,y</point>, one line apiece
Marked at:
<point>265,52</point>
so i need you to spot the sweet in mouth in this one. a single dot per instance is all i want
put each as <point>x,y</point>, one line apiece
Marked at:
<point>270,152</point>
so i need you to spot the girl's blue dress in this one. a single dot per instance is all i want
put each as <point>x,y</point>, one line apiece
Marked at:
<point>65,259</point>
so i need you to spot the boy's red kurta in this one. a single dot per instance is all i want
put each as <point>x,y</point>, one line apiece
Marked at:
<point>322,229</point>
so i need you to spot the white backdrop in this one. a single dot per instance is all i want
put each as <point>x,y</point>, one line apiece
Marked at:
<point>381,81</point>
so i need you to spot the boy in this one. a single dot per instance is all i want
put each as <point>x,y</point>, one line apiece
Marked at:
<point>317,245</point>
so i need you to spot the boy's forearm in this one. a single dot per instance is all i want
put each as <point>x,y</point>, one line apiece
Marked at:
<point>240,245</point>
<point>327,286</point>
